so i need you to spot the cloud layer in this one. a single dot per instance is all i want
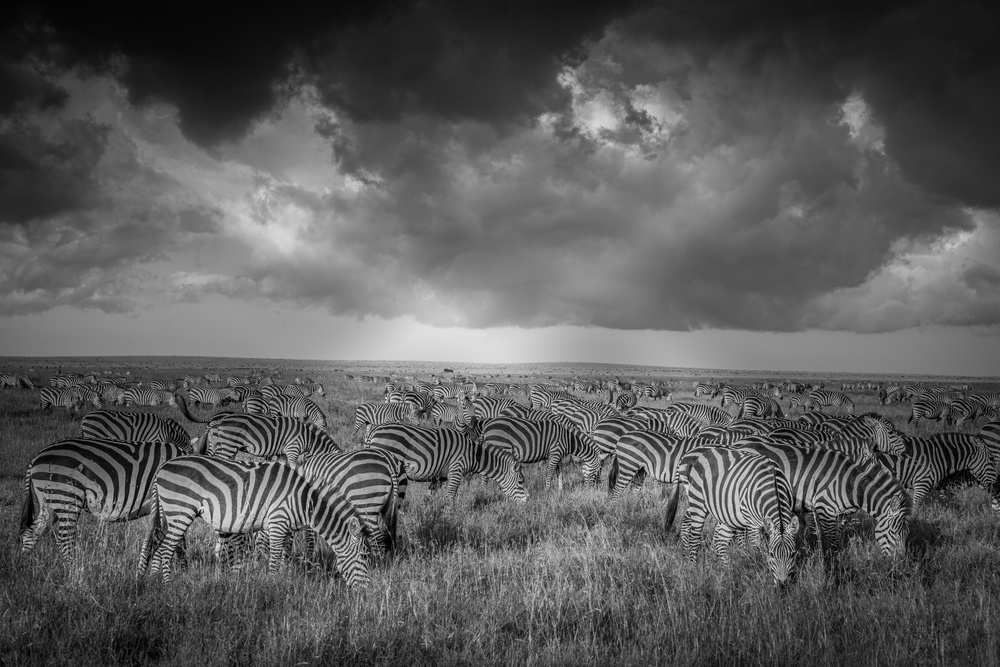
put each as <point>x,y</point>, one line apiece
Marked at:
<point>637,166</point>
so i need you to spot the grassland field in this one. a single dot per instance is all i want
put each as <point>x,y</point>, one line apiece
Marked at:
<point>566,579</point>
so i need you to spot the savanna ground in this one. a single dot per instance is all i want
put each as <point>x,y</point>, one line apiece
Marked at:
<point>568,578</point>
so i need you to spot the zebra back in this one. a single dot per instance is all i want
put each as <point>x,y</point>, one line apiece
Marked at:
<point>265,437</point>
<point>134,427</point>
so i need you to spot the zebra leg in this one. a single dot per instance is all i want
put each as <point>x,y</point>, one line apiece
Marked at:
<point>169,544</point>
<point>66,522</point>
<point>455,474</point>
<point>720,541</point>
<point>553,468</point>
<point>30,535</point>
<point>691,527</point>
<point>279,540</point>
<point>152,542</point>
<point>829,536</point>
<point>921,488</point>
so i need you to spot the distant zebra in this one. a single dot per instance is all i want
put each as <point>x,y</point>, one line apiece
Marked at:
<point>134,427</point>
<point>60,398</point>
<point>706,389</point>
<point>762,407</point>
<point>190,381</point>
<point>236,497</point>
<point>263,437</point>
<point>369,415</point>
<point>743,491</point>
<point>829,485</point>
<point>928,408</point>
<point>929,461</point>
<point>709,415</point>
<point>212,377</point>
<point>147,397</point>
<point>300,408</point>
<point>108,478</point>
<point>212,396</point>
<point>826,398</point>
<point>15,380</point>
<point>162,385</point>
<point>65,380</point>
<point>432,455</point>
<point>533,442</point>
<point>371,480</point>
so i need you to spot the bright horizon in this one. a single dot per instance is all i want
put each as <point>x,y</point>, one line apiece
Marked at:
<point>638,184</point>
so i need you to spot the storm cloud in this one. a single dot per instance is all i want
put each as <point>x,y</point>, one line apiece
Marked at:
<point>677,166</point>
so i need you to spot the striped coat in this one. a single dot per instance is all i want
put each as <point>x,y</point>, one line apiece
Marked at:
<point>60,398</point>
<point>234,497</point>
<point>263,437</point>
<point>743,491</point>
<point>657,454</point>
<point>134,427</point>
<point>299,407</point>
<point>147,397</point>
<point>212,396</point>
<point>108,478</point>
<point>537,441</point>
<point>432,455</point>
<point>368,415</point>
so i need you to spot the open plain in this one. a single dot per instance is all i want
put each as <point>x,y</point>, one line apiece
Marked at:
<point>567,578</point>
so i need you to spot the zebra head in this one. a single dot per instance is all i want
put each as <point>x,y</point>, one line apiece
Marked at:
<point>781,549</point>
<point>886,437</point>
<point>892,527</point>
<point>337,521</point>
<point>505,471</point>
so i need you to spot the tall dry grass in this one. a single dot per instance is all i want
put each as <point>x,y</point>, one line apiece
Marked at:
<point>568,578</point>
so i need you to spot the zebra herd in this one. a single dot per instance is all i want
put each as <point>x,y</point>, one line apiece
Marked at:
<point>273,468</point>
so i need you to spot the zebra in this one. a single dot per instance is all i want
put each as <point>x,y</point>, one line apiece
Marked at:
<point>162,385</point>
<point>706,389</point>
<point>829,484</point>
<point>60,398</point>
<point>212,396</point>
<point>237,497</point>
<point>624,400</point>
<point>762,407</point>
<point>257,405</point>
<point>15,380</point>
<point>670,421</point>
<point>449,413</point>
<point>300,408</point>
<point>929,461</point>
<point>262,436</point>
<point>743,491</point>
<point>431,454</point>
<point>491,408</point>
<point>212,377</point>
<point>371,480</point>
<point>134,427</point>
<point>927,407</point>
<point>147,397</point>
<point>534,441</point>
<point>584,415</point>
<point>657,454</point>
<point>368,415</point>
<point>964,409</point>
<point>709,415</point>
<point>442,392</point>
<point>110,479</point>
<point>860,438</point>
<point>65,380</point>
<point>824,398</point>
<point>733,394</point>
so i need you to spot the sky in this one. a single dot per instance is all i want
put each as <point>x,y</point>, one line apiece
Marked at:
<point>776,185</point>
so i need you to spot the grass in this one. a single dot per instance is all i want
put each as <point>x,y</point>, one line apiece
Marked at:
<point>567,578</point>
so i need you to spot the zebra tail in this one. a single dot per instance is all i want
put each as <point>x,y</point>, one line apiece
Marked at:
<point>613,474</point>
<point>392,512</point>
<point>28,506</point>
<point>201,446</point>
<point>671,512</point>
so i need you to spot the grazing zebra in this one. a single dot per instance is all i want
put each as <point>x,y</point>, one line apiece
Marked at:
<point>449,413</point>
<point>262,436</point>
<point>65,380</point>
<point>859,439</point>
<point>15,380</point>
<point>147,397</point>
<point>371,480</point>
<point>929,461</point>
<point>743,491</point>
<point>735,395</point>
<point>134,427</point>
<point>535,441</point>
<point>237,497</point>
<point>60,398</point>
<point>964,409</point>
<point>212,377</point>
<point>760,407</point>
<point>433,454</point>
<point>706,389</point>
<point>658,454</point>
<point>668,421</point>
<point>584,415</point>
<point>829,484</point>
<point>828,398</point>
<point>442,392</point>
<point>709,415</point>
<point>300,408</point>
<point>108,478</point>
<point>929,408</point>
<point>368,415</point>
<point>212,396</point>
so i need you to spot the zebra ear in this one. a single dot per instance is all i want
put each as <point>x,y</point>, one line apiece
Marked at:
<point>793,526</point>
<point>355,528</point>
